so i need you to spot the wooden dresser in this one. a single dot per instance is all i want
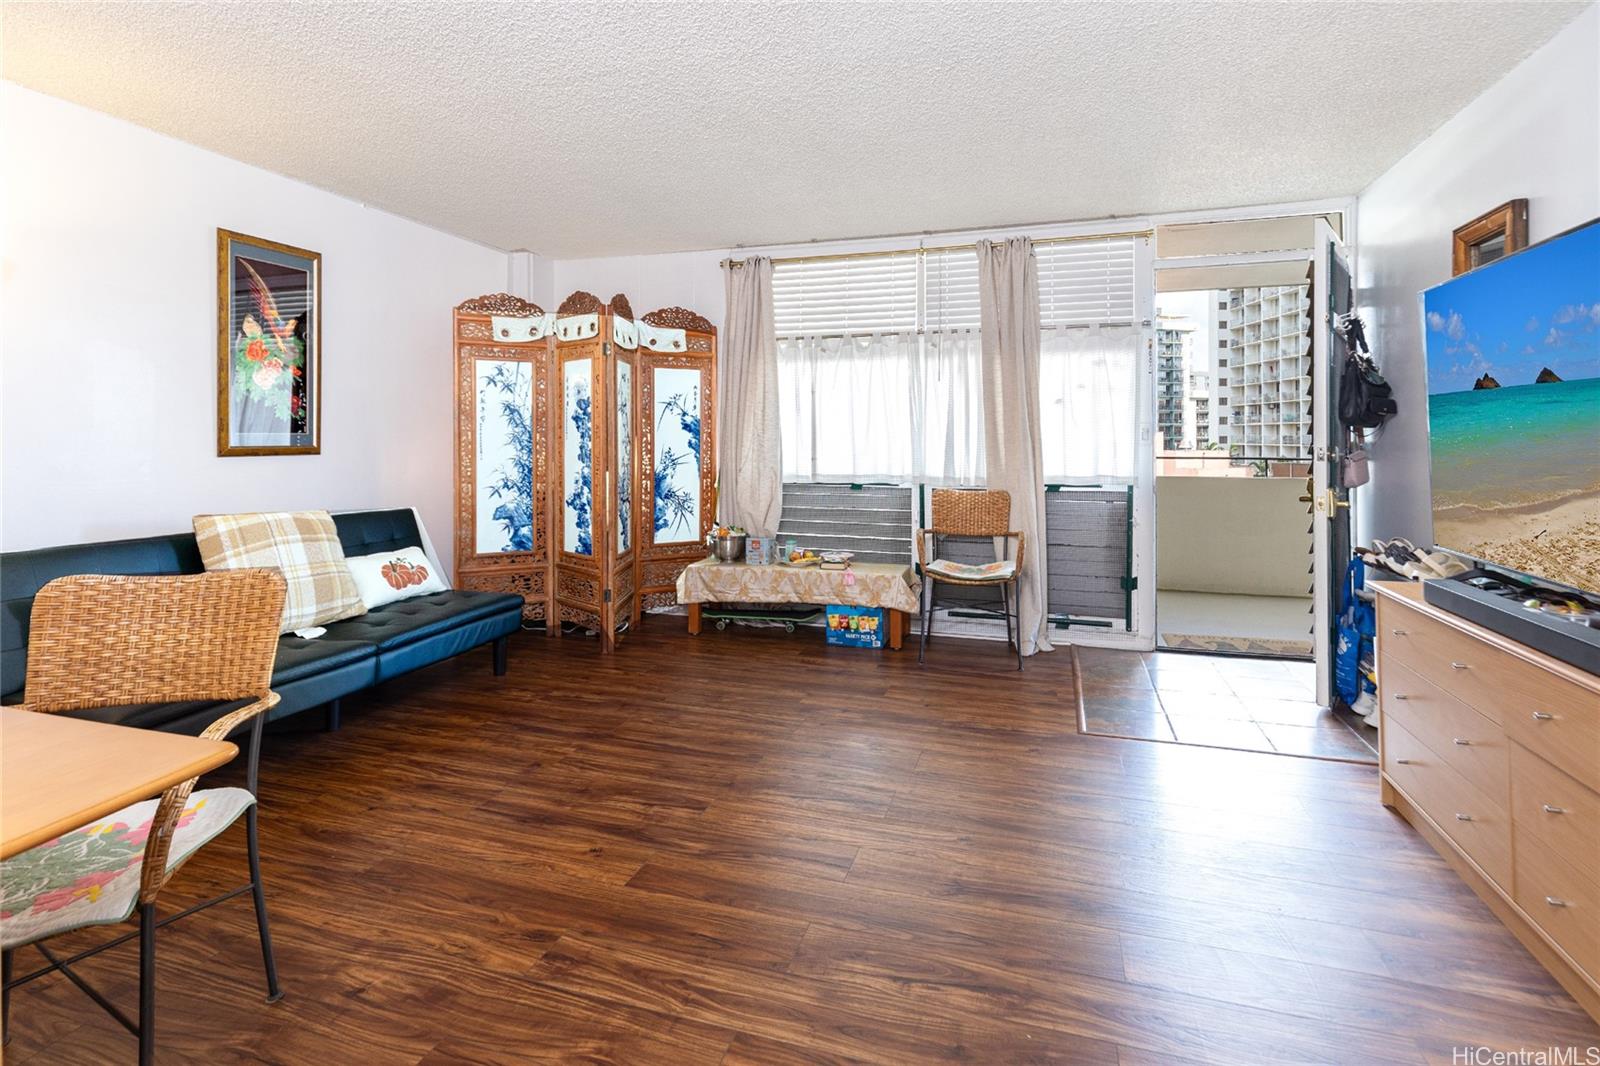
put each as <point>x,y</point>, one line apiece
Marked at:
<point>1492,751</point>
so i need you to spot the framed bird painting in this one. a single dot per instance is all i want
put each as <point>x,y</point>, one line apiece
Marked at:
<point>269,347</point>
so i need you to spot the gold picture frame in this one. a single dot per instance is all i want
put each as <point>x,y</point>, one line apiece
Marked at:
<point>1492,235</point>
<point>269,347</point>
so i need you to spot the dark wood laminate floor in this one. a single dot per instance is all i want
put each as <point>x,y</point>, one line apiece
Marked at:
<point>750,848</point>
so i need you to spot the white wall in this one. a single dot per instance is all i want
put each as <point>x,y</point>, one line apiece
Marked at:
<point>531,277</point>
<point>1533,134</point>
<point>676,279</point>
<point>108,340</point>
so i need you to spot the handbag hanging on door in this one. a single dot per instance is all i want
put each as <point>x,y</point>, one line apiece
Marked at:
<point>1366,400</point>
<point>1353,470</point>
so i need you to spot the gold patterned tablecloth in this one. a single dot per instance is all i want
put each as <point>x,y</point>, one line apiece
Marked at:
<point>891,585</point>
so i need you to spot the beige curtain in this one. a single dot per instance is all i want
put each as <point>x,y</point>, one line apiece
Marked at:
<point>750,452</point>
<point>1008,290</point>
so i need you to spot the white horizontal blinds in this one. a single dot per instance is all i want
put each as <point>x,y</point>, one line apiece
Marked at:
<point>1081,282</point>
<point>950,290</point>
<point>880,363</point>
<point>871,294</point>
<point>1088,378</point>
<point>1085,282</point>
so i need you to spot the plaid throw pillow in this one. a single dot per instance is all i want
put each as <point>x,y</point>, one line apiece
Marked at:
<point>304,545</point>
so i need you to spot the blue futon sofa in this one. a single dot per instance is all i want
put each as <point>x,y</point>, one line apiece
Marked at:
<point>354,654</point>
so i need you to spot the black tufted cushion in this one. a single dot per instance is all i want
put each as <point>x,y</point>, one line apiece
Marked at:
<point>298,657</point>
<point>397,624</point>
<point>24,573</point>
<point>190,717</point>
<point>371,532</point>
<point>416,654</point>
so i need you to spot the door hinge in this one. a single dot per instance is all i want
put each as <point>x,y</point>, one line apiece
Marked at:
<point>608,595</point>
<point>605,348</point>
<point>1129,584</point>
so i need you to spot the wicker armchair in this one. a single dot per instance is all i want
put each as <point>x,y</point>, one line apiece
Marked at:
<point>103,641</point>
<point>973,514</point>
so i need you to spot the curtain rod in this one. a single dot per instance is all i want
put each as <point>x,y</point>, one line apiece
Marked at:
<point>942,248</point>
<point>964,329</point>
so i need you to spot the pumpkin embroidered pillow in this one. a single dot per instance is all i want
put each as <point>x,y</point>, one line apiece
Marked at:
<point>303,545</point>
<point>397,575</point>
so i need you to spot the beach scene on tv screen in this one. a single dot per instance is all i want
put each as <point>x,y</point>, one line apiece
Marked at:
<point>1513,355</point>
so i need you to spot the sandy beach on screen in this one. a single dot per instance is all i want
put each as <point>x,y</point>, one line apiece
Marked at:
<point>1559,541</point>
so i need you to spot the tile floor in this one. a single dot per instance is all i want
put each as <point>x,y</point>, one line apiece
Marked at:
<point>1216,701</point>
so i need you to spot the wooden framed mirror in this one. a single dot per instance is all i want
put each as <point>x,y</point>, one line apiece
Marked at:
<point>1492,235</point>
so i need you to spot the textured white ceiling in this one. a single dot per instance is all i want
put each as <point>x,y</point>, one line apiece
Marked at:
<point>599,129</point>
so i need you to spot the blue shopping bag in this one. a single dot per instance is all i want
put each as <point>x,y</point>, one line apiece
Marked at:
<point>1357,631</point>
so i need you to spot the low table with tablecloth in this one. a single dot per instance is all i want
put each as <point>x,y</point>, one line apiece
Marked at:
<point>893,586</point>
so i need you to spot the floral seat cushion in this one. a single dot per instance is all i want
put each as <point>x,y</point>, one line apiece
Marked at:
<point>90,876</point>
<point>1001,571</point>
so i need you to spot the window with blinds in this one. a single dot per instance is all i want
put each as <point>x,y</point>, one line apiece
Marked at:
<point>1081,282</point>
<point>1086,282</point>
<point>869,294</point>
<point>880,369</point>
<point>950,289</point>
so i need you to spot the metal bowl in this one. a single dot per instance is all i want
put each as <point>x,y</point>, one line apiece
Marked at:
<point>729,549</point>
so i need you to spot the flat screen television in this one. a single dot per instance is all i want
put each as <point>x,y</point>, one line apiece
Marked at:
<point>1513,357</point>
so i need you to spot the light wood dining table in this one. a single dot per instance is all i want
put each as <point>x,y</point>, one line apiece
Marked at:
<point>58,774</point>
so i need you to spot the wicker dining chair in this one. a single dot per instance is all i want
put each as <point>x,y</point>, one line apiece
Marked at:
<point>104,641</point>
<point>971,514</point>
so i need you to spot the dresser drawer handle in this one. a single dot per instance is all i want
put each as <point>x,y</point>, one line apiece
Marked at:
<point>1459,666</point>
<point>1463,817</point>
<point>1398,632</point>
<point>1461,742</point>
<point>1550,808</point>
<point>1401,696</point>
<point>1543,716</point>
<point>1555,902</point>
<point>1403,762</point>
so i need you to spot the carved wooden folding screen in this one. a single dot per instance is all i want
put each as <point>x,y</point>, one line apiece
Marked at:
<point>677,462</point>
<point>585,480</point>
<point>597,452</point>
<point>502,430</point>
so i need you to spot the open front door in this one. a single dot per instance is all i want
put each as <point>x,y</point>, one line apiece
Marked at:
<point>1329,503</point>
